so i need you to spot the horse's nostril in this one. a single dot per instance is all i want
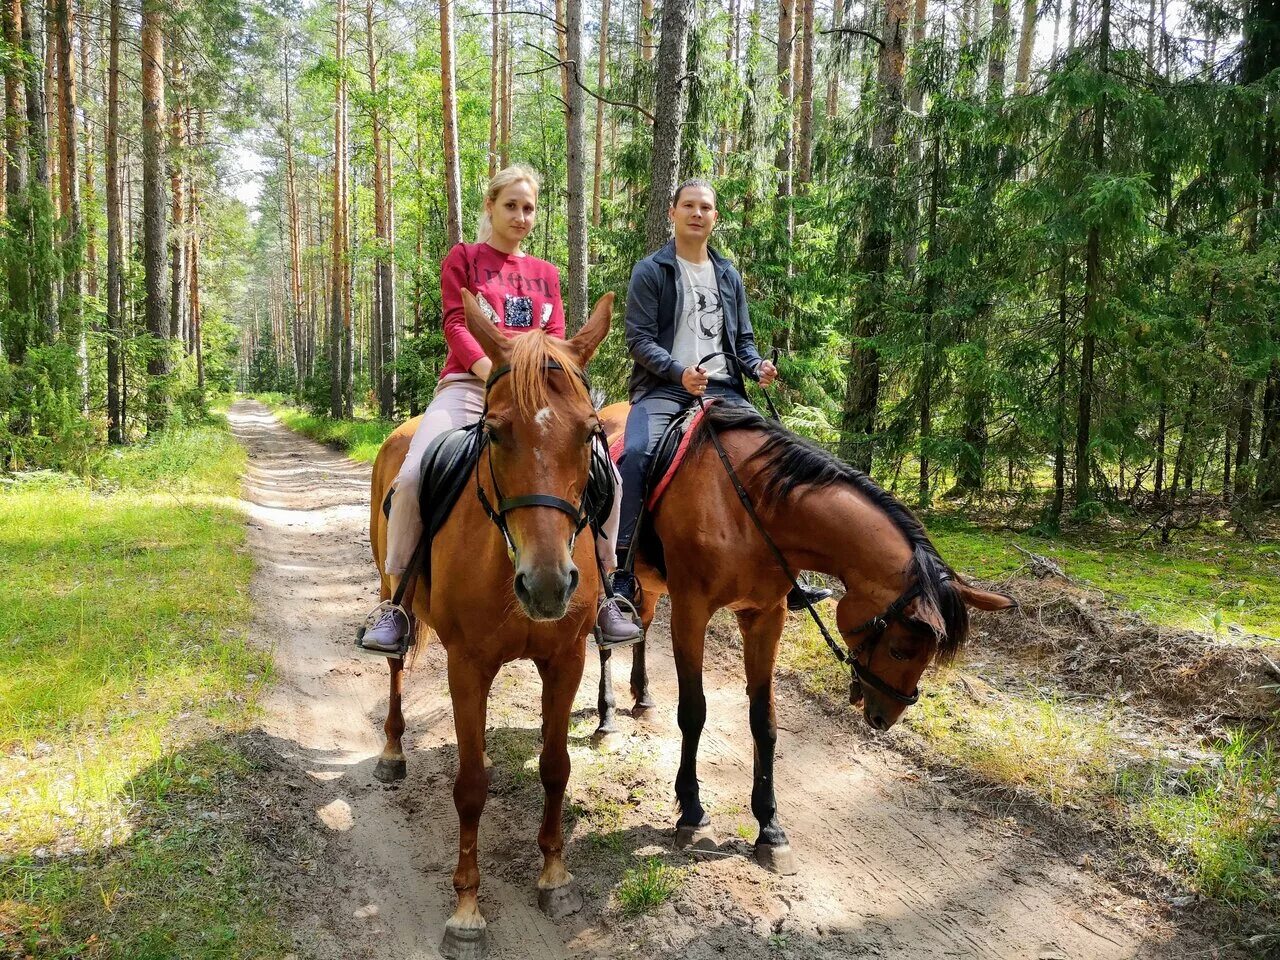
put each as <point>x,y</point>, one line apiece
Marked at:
<point>877,721</point>
<point>521,588</point>
<point>573,581</point>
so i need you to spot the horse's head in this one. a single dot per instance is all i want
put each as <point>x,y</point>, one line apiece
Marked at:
<point>539,424</point>
<point>890,650</point>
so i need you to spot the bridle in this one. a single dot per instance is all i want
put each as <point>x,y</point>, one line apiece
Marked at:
<point>578,513</point>
<point>875,629</point>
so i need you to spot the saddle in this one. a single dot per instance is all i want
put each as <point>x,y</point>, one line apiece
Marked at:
<point>668,454</point>
<point>447,468</point>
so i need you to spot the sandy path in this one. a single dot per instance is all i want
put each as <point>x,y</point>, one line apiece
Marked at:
<point>891,864</point>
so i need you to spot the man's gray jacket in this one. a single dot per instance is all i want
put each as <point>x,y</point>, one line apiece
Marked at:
<point>655,299</point>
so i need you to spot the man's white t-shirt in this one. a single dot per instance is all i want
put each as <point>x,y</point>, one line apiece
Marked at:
<point>700,326</point>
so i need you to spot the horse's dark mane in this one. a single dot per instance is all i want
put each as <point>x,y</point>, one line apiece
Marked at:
<point>790,462</point>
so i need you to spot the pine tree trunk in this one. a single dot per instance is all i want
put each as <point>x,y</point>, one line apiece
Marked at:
<point>786,147</point>
<point>453,173</point>
<point>384,318</point>
<point>833,68</point>
<point>804,147</point>
<point>495,62</point>
<point>1060,378</point>
<point>42,301</point>
<point>1162,431</point>
<point>1244,436</point>
<point>646,30</point>
<point>193,257</point>
<point>177,204</point>
<point>337,271</point>
<point>1026,43</point>
<point>862,386</point>
<point>115,272</point>
<point>18,212</point>
<point>999,49</point>
<point>602,79</point>
<point>1093,280</point>
<point>295,230</point>
<point>153,212</point>
<point>576,302</point>
<point>504,150</point>
<point>669,91</point>
<point>87,193</point>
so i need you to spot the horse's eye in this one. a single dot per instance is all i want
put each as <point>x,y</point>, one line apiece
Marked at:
<point>491,431</point>
<point>898,654</point>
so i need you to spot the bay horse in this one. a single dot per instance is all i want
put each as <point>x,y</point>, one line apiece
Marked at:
<point>903,606</point>
<point>515,584</point>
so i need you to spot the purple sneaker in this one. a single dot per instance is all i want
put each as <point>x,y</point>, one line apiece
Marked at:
<point>389,633</point>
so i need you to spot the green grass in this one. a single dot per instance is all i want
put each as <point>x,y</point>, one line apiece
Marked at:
<point>1218,824</point>
<point>123,605</point>
<point>1222,820</point>
<point>1202,581</point>
<point>647,886</point>
<point>359,439</point>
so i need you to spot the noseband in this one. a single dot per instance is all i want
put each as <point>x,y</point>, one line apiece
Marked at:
<point>577,513</point>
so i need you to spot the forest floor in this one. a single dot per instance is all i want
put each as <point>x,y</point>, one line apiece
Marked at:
<point>918,844</point>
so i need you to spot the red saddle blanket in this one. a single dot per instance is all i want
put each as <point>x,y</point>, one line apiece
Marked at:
<point>660,480</point>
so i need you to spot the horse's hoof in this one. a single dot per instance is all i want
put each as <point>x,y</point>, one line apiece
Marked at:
<point>390,771</point>
<point>607,741</point>
<point>776,859</point>
<point>560,902</point>
<point>642,707</point>
<point>698,838</point>
<point>464,943</point>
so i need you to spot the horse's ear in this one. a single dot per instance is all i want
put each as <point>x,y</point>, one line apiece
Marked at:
<point>925,612</point>
<point>984,599</point>
<point>496,346</point>
<point>594,331</point>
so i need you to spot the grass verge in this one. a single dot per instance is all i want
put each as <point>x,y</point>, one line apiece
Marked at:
<point>1207,580</point>
<point>1216,823</point>
<point>359,439</point>
<point>124,671</point>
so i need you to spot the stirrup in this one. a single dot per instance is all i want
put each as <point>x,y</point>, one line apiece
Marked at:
<point>628,609</point>
<point>374,616</point>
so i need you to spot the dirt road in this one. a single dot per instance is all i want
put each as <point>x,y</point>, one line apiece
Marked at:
<point>891,862</point>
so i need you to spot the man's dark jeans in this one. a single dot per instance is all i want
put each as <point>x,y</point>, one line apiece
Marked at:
<point>648,420</point>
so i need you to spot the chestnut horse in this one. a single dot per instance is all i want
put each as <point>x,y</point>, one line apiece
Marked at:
<point>492,600</point>
<point>902,609</point>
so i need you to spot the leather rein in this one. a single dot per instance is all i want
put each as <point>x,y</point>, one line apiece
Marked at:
<point>577,513</point>
<point>874,628</point>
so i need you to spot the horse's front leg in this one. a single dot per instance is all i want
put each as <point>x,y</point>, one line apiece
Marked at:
<point>639,668</point>
<point>557,896</point>
<point>464,932</point>
<point>761,630</point>
<point>391,764</point>
<point>688,638</point>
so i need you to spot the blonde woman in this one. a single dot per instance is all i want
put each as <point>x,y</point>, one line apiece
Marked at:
<point>519,293</point>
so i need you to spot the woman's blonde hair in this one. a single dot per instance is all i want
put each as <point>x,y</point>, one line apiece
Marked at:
<point>518,173</point>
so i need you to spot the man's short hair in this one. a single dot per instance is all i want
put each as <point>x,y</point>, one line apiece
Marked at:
<point>695,182</point>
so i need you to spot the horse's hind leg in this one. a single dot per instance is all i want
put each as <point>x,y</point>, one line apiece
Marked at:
<point>391,765</point>
<point>606,706</point>
<point>761,630</point>
<point>639,666</point>
<point>560,678</point>
<point>688,639</point>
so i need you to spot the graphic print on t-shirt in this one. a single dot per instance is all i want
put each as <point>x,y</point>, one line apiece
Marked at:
<point>700,326</point>
<point>707,313</point>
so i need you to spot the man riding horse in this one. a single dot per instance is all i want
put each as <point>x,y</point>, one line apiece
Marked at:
<point>685,301</point>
